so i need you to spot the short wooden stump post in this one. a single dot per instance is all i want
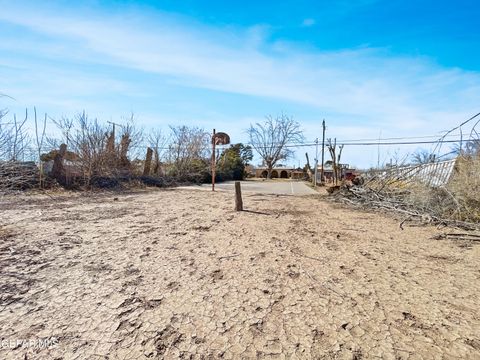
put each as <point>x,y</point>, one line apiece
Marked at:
<point>238,197</point>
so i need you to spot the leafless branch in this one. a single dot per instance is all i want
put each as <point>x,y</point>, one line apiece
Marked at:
<point>270,139</point>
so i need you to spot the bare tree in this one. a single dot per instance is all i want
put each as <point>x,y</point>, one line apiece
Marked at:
<point>65,125</point>
<point>469,147</point>
<point>188,151</point>
<point>135,136</point>
<point>158,142</point>
<point>14,146</point>
<point>336,157</point>
<point>14,139</point>
<point>423,157</point>
<point>398,159</point>
<point>271,138</point>
<point>4,135</point>
<point>39,137</point>
<point>89,142</point>
<point>97,150</point>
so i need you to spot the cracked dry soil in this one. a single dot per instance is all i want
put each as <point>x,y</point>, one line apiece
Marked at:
<point>177,274</point>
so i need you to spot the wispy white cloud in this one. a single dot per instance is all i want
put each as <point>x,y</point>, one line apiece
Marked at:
<point>367,86</point>
<point>308,22</point>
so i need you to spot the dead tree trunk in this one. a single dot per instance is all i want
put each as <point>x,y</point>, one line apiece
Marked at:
<point>148,162</point>
<point>124,145</point>
<point>58,171</point>
<point>309,169</point>
<point>111,142</point>
<point>337,167</point>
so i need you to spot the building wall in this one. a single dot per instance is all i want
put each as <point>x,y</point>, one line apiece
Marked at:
<point>282,173</point>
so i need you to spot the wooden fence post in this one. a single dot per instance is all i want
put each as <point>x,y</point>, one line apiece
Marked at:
<point>214,159</point>
<point>238,197</point>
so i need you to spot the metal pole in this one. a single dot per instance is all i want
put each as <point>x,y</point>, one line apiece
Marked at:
<point>323,151</point>
<point>378,150</point>
<point>213,160</point>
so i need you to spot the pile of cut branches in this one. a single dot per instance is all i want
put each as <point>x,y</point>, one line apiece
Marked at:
<point>15,175</point>
<point>405,202</point>
<point>443,193</point>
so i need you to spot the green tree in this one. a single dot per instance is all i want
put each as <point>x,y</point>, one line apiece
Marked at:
<point>244,151</point>
<point>232,162</point>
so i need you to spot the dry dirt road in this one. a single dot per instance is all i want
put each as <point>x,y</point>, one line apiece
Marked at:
<point>175,273</point>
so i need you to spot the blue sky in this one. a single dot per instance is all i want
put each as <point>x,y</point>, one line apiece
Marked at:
<point>395,68</point>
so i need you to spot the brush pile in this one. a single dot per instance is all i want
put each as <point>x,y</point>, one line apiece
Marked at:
<point>443,193</point>
<point>15,175</point>
<point>416,203</point>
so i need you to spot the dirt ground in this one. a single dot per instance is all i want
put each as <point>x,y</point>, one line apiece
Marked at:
<point>178,274</point>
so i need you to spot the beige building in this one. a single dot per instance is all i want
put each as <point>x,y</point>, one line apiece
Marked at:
<point>280,172</point>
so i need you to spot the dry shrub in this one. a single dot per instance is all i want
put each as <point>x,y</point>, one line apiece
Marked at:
<point>188,154</point>
<point>434,201</point>
<point>99,156</point>
<point>465,185</point>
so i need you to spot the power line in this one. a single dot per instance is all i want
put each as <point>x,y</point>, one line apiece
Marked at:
<point>401,142</point>
<point>403,138</point>
<point>397,138</point>
<point>346,143</point>
<point>376,143</point>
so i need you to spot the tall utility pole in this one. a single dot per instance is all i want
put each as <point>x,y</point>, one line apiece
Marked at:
<point>113,123</point>
<point>316,164</point>
<point>111,142</point>
<point>323,151</point>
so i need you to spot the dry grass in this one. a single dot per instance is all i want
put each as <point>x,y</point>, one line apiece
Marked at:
<point>464,187</point>
<point>459,200</point>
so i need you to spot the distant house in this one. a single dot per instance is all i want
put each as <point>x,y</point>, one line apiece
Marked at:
<point>280,172</point>
<point>250,171</point>
<point>346,173</point>
<point>297,174</point>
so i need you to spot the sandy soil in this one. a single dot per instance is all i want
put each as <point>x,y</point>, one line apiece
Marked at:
<point>178,274</point>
